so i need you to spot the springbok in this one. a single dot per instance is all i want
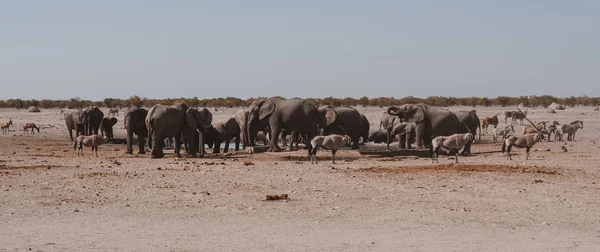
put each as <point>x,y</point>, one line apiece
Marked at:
<point>31,126</point>
<point>6,126</point>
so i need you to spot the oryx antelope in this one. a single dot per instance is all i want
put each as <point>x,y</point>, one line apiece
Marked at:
<point>449,144</point>
<point>525,141</point>
<point>528,129</point>
<point>91,141</point>
<point>490,121</point>
<point>331,142</point>
<point>6,126</point>
<point>501,132</point>
<point>31,126</point>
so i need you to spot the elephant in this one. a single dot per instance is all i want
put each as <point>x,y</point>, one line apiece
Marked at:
<point>469,124</point>
<point>365,126</point>
<point>241,117</point>
<point>135,124</point>
<point>73,121</point>
<point>344,121</point>
<point>279,114</point>
<point>405,132</point>
<point>223,132</point>
<point>386,122</point>
<point>431,121</point>
<point>378,136</point>
<point>177,121</point>
<point>262,137</point>
<point>91,118</point>
<point>106,127</point>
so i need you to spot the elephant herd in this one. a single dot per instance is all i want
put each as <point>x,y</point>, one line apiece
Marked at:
<point>293,120</point>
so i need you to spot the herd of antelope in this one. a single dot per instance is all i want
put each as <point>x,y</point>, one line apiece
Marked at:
<point>531,134</point>
<point>26,127</point>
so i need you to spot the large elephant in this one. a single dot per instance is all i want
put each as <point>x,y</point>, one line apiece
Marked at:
<point>365,125</point>
<point>279,114</point>
<point>135,124</point>
<point>469,124</point>
<point>106,127</point>
<point>342,120</point>
<point>73,121</point>
<point>178,122</point>
<point>91,118</point>
<point>431,121</point>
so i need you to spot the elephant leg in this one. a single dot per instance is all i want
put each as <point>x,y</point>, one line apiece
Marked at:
<point>420,134</point>
<point>177,145</point>
<point>237,143</point>
<point>217,146</point>
<point>141,143</point>
<point>226,148</point>
<point>275,131</point>
<point>466,150</point>
<point>129,142</point>
<point>401,141</point>
<point>157,151</point>
<point>70,133</point>
<point>355,142</point>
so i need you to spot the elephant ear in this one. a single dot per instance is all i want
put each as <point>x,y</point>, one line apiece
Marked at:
<point>207,118</point>
<point>418,114</point>
<point>266,109</point>
<point>113,121</point>
<point>329,115</point>
<point>191,118</point>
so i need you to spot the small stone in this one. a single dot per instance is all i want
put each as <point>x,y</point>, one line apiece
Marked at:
<point>76,210</point>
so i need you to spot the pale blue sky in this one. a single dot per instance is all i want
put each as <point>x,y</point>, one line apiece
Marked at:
<point>96,49</point>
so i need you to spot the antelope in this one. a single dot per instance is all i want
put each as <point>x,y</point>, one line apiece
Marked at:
<point>91,141</point>
<point>571,129</point>
<point>331,142</point>
<point>519,115</point>
<point>524,141</point>
<point>596,108</point>
<point>6,126</point>
<point>31,126</point>
<point>449,144</point>
<point>502,132</point>
<point>509,114</point>
<point>490,121</point>
<point>529,129</point>
<point>113,111</point>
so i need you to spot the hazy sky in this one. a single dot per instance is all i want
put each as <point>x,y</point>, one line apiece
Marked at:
<point>158,49</point>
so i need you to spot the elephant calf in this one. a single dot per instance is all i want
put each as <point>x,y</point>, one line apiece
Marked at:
<point>106,127</point>
<point>378,136</point>
<point>223,132</point>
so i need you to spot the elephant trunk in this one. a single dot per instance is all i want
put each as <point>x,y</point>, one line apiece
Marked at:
<point>249,135</point>
<point>394,110</point>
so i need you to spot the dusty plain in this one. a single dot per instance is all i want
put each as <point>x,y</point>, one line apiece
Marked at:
<point>52,200</point>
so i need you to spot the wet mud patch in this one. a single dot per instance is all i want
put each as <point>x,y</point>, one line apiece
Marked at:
<point>319,158</point>
<point>461,168</point>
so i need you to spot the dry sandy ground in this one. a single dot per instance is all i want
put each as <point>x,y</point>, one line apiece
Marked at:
<point>52,200</point>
